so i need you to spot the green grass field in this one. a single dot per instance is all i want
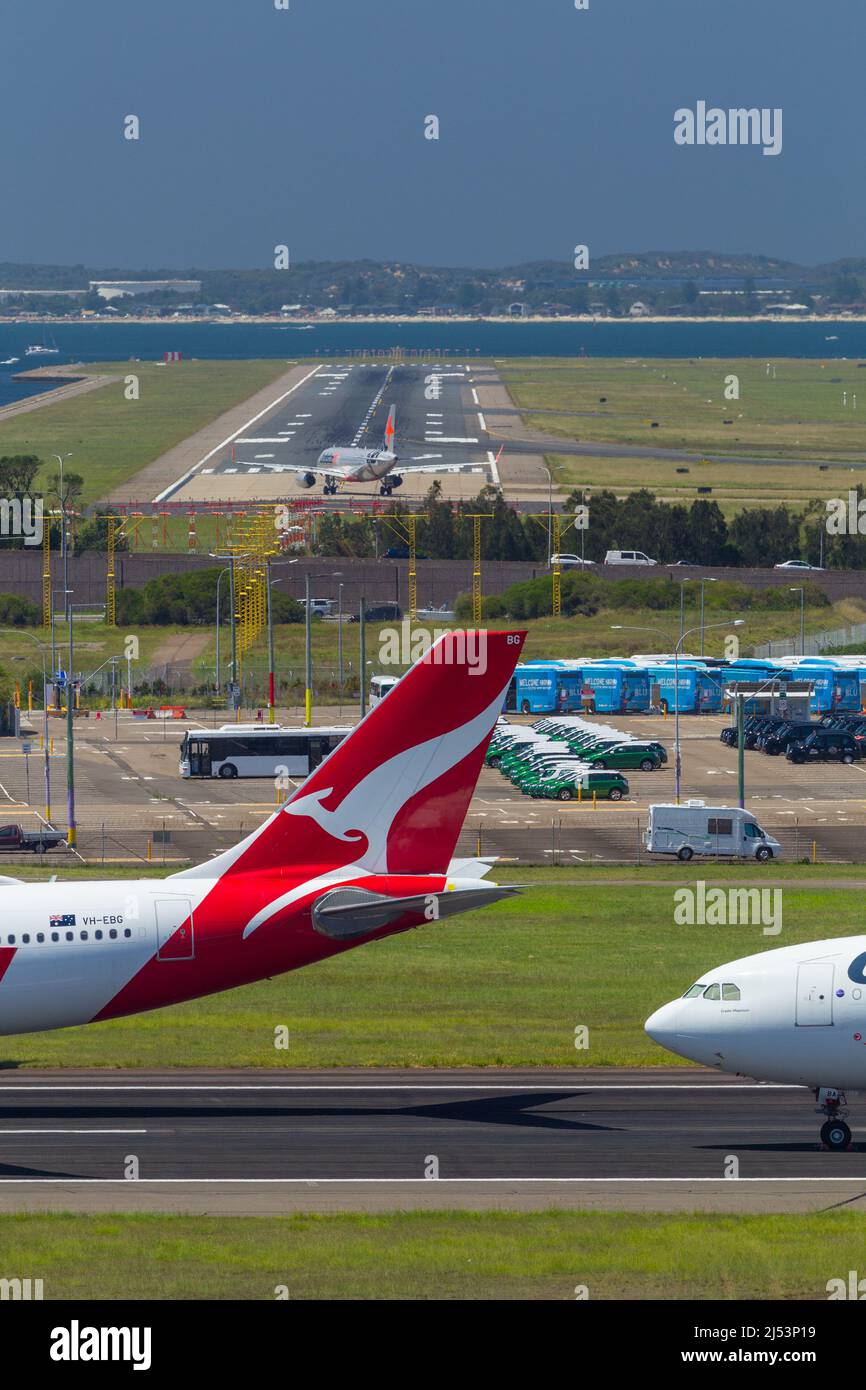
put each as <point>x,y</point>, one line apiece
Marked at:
<point>798,413</point>
<point>448,1255</point>
<point>502,987</point>
<point>111,438</point>
<point>547,638</point>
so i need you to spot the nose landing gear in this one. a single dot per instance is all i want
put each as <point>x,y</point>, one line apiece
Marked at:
<point>835,1134</point>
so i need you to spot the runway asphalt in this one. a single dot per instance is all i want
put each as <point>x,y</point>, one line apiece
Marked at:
<point>270,1142</point>
<point>346,405</point>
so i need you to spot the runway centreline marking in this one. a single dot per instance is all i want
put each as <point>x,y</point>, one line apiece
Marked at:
<point>395,1182</point>
<point>324,1086</point>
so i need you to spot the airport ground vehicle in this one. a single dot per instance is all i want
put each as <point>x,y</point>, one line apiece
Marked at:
<point>628,557</point>
<point>255,750</point>
<point>14,839</point>
<point>569,562</point>
<point>776,741</point>
<point>694,828</point>
<point>381,613</point>
<point>562,687</point>
<point>827,746</point>
<point>380,686</point>
<point>625,755</point>
<point>610,786</point>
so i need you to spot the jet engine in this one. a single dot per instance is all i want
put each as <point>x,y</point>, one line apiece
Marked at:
<point>305,479</point>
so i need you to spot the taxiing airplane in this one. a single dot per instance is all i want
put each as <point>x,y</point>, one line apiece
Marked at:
<point>796,1015</point>
<point>362,849</point>
<point>356,465</point>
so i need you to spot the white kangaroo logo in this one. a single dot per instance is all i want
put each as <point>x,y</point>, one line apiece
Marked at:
<point>378,798</point>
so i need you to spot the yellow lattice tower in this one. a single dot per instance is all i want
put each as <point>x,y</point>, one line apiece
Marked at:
<point>477,597</point>
<point>111,576</point>
<point>556,533</point>
<point>253,542</point>
<point>46,572</point>
<point>406,529</point>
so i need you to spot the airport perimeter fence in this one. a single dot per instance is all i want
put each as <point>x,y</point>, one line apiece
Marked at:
<point>817,643</point>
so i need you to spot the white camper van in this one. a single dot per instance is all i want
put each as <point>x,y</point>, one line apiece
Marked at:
<point>695,828</point>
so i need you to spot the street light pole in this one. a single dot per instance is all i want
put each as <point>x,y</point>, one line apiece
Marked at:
<point>70,737</point>
<point>622,627</point>
<point>308,654</point>
<point>340,638</point>
<point>362,654</point>
<point>802,593</point>
<point>63,541</point>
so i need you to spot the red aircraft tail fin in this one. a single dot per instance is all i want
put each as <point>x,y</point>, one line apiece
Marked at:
<point>393,796</point>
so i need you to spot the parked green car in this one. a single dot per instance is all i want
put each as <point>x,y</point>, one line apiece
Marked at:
<point>625,755</point>
<point>610,786</point>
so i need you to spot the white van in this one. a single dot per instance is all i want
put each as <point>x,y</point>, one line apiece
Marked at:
<point>628,557</point>
<point>380,686</point>
<point>695,828</point>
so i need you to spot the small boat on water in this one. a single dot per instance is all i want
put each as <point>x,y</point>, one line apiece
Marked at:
<point>41,350</point>
<point>9,361</point>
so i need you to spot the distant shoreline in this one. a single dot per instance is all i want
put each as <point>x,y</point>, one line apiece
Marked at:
<point>590,320</point>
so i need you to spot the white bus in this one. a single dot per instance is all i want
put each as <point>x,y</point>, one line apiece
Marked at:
<point>255,750</point>
<point>380,686</point>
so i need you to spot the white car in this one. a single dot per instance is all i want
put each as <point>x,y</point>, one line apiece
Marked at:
<point>797,565</point>
<point>567,562</point>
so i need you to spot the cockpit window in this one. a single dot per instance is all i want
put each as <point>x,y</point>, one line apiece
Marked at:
<point>730,991</point>
<point>694,991</point>
<point>714,992</point>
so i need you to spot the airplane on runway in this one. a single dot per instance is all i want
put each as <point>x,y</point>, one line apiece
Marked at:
<point>355,465</point>
<point>361,850</point>
<point>795,1015</point>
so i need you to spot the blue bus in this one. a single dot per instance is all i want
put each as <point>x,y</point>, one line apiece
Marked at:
<point>557,687</point>
<point>694,688</point>
<point>545,687</point>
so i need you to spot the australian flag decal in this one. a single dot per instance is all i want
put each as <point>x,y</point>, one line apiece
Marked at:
<point>62,919</point>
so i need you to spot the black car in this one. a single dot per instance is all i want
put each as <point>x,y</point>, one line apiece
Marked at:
<point>777,740</point>
<point>381,613</point>
<point>826,746</point>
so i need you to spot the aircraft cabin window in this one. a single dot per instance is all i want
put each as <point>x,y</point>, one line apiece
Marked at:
<point>127,931</point>
<point>113,934</point>
<point>10,941</point>
<point>40,937</point>
<point>694,991</point>
<point>84,936</point>
<point>714,992</point>
<point>25,940</point>
<point>98,935</point>
<point>70,936</point>
<point>730,991</point>
<point>55,936</point>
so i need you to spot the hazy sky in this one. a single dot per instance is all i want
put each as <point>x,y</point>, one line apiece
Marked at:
<point>306,127</point>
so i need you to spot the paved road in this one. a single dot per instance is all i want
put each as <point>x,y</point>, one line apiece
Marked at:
<point>576,1138</point>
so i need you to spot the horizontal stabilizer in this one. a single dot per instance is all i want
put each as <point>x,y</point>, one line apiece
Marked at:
<point>347,912</point>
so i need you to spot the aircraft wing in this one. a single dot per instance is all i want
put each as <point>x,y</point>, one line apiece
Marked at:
<point>335,471</point>
<point>463,466</point>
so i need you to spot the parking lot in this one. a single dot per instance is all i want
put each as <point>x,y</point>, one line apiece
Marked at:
<point>132,806</point>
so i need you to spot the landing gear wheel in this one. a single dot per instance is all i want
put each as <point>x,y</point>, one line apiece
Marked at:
<point>836,1136</point>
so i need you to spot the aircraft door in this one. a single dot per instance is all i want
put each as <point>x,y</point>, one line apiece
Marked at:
<point>174,929</point>
<point>815,994</point>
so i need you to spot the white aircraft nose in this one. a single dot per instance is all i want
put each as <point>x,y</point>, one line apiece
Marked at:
<point>662,1025</point>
